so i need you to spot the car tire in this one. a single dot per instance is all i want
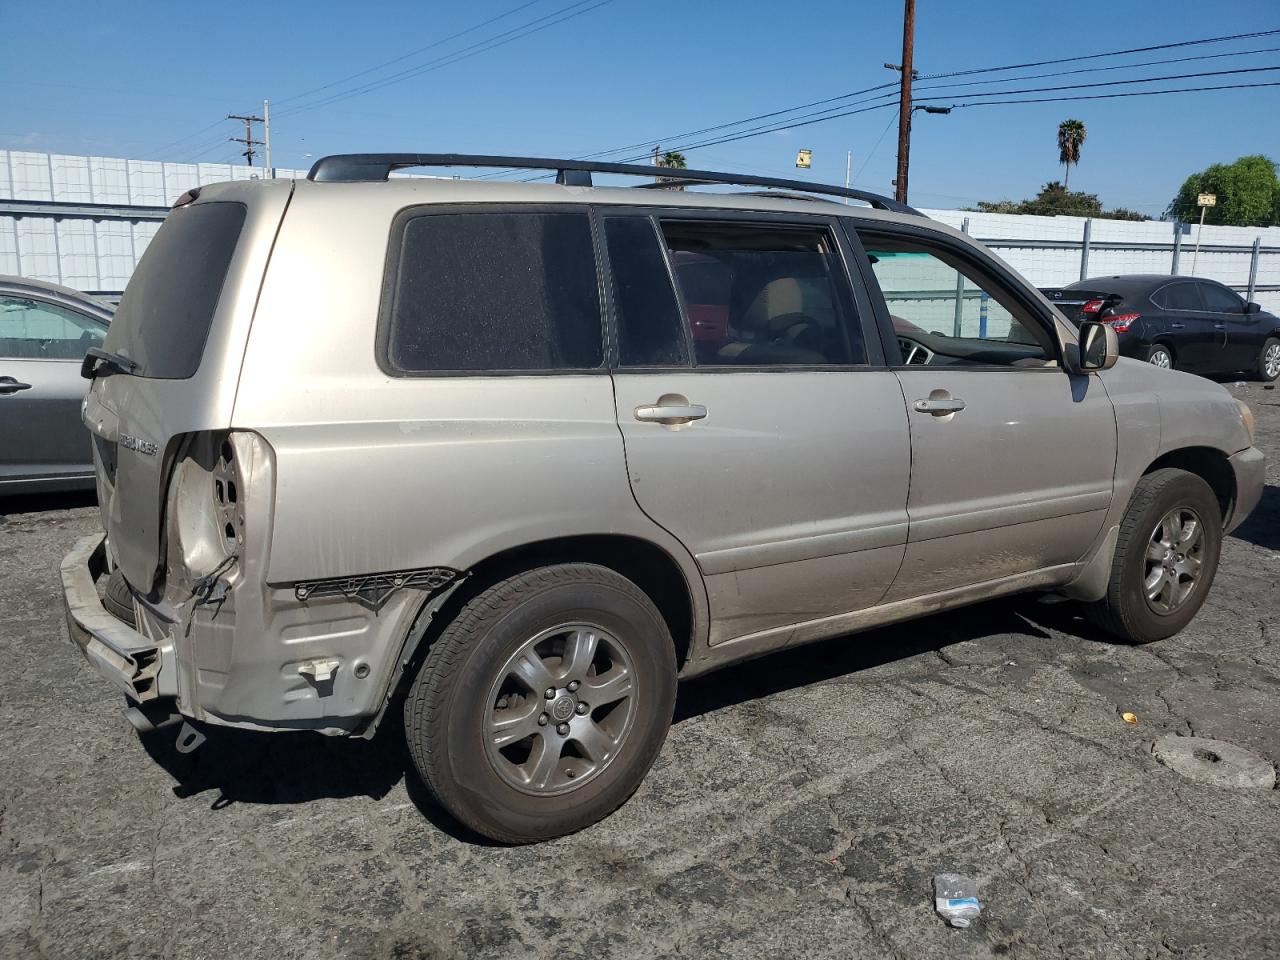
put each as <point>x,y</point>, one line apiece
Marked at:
<point>1161,356</point>
<point>553,773</point>
<point>1129,611</point>
<point>118,599</point>
<point>1269,361</point>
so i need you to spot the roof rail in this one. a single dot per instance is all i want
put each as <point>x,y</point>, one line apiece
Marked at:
<point>365,167</point>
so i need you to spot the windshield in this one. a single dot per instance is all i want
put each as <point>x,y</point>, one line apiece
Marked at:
<point>164,317</point>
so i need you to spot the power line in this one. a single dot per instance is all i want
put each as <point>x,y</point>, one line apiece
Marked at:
<point>483,46</point>
<point>832,114</point>
<point>411,53</point>
<point>1129,93</point>
<point>1103,83</point>
<point>1096,56</point>
<point>420,50</point>
<point>1119,66</point>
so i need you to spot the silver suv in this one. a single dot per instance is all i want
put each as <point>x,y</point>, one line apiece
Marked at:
<point>515,457</point>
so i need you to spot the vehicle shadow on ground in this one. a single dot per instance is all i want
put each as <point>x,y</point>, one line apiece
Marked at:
<point>41,502</point>
<point>234,766</point>
<point>1263,526</point>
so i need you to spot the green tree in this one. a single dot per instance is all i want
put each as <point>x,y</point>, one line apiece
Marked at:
<point>1248,193</point>
<point>673,158</point>
<point>1071,137</point>
<point>1055,200</point>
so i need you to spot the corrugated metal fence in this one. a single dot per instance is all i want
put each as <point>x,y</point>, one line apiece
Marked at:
<point>84,222</point>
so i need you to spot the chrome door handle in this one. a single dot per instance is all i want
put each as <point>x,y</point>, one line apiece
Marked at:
<point>671,412</point>
<point>10,385</point>
<point>1219,326</point>
<point>939,406</point>
<point>1175,326</point>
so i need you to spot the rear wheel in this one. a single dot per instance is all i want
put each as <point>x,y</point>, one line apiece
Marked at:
<point>118,599</point>
<point>1269,360</point>
<point>1160,356</point>
<point>542,705</point>
<point>1165,560</point>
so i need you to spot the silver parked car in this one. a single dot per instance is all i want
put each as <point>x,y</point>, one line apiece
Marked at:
<point>513,458</point>
<point>45,331</point>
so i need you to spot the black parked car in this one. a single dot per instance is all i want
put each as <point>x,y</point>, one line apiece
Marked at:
<point>1191,324</point>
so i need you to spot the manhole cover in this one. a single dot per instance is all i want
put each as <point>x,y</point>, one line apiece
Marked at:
<point>1213,761</point>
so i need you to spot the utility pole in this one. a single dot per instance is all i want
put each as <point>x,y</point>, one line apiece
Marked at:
<point>848,166</point>
<point>904,99</point>
<point>266,137</point>
<point>247,139</point>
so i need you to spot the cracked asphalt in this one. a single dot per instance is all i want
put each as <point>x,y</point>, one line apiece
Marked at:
<point>800,807</point>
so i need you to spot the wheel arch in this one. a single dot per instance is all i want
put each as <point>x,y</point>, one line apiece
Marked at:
<point>1210,465</point>
<point>647,564</point>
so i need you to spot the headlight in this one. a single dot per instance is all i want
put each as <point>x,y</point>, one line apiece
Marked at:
<point>1246,415</point>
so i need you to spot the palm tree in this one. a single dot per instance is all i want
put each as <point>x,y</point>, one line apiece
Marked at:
<point>1071,136</point>
<point>673,158</point>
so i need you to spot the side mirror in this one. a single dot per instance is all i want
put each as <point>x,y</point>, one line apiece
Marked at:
<point>1252,307</point>
<point>1099,346</point>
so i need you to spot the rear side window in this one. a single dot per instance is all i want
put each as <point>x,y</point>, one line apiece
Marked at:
<point>493,292</point>
<point>164,317</point>
<point>1179,296</point>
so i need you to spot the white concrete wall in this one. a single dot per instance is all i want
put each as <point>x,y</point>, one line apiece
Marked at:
<point>88,254</point>
<point>99,255</point>
<point>1047,267</point>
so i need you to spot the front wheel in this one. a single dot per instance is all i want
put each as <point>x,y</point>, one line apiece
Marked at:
<point>1269,360</point>
<point>542,705</point>
<point>1159,356</point>
<point>1165,560</point>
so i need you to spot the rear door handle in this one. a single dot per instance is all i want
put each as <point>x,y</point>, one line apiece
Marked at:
<point>1175,326</point>
<point>671,411</point>
<point>1219,326</point>
<point>939,406</point>
<point>10,385</point>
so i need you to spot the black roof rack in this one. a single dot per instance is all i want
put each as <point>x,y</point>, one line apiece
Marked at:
<point>365,167</point>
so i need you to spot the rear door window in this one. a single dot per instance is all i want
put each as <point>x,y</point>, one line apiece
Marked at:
<point>1179,296</point>
<point>492,292</point>
<point>164,317</point>
<point>1220,300</point>
<point>764,294</point>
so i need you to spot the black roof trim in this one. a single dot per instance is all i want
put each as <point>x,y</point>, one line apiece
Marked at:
<point>366,167</point>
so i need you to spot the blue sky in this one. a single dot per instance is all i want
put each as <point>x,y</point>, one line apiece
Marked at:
<point>131,82</point>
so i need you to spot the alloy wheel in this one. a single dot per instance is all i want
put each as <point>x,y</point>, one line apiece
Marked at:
<point>1161,358</point>
<point>1174,557</point>
<point>560,709</point>
<point>1271,361</point>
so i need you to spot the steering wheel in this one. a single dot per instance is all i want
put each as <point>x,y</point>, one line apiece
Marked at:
<point>914,354</point>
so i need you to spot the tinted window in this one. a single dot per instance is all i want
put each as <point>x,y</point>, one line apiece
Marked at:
<point>35,330</point>
<point>1220,300</point>
<point>495,291</point>
<point>946,309</point>
<point>165,314</point>
<point>649,329</point>
<point>1179,296</point>
<point>761,294</point>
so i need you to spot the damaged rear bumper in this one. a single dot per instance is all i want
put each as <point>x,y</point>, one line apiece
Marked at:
<point>141,667</point>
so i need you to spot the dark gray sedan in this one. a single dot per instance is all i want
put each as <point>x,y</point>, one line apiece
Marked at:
<point>1197,325</point>
<point>45,330</point>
